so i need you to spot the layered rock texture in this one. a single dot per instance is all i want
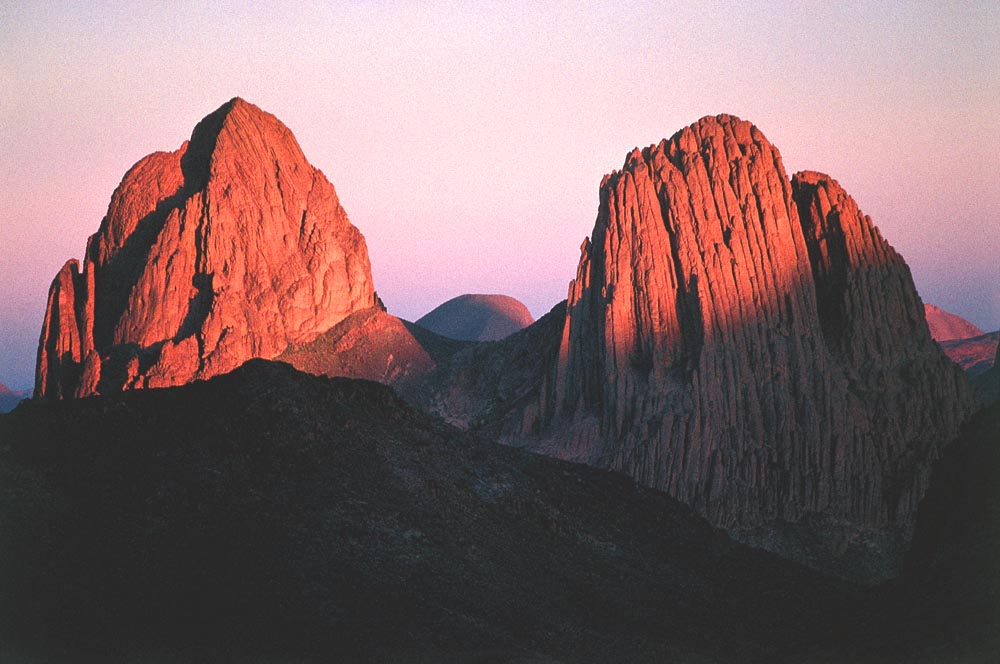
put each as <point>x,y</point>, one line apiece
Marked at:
<point>946,326</point>
<point>231,247</point>
<point>478,317</point>
<point>751,345</point>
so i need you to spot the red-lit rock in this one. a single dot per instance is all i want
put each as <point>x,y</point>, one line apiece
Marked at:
<point>946,326</point>
<point>230,248</point>
<point>747,343</point>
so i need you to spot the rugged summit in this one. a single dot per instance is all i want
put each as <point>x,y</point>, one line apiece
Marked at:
<point>231,247</point>
<point>475,317</point>
<point>750,345</point>
<point>946,326</point>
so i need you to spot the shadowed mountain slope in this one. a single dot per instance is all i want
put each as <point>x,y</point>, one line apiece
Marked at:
<point>987,384</point>
<point>946,605</point>
<point>270,515</point>
<point>269,511</point>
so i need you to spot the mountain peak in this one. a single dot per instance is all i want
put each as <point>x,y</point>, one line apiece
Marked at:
<point>722,339</point>
<point>237,131</point>
<point>229,248</point>
<point>713,140</point>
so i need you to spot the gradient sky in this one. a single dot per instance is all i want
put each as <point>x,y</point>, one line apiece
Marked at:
<point>467,140</point>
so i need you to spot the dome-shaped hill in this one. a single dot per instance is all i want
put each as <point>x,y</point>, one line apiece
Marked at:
<point>478,317</point>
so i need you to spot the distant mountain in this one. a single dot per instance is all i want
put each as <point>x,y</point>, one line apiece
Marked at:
<point>945,326</point>
<point>10,398</point>
<point>478,318</point>
<point>229,248</point>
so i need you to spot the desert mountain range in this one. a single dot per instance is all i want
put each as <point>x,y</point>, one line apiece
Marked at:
<point>744,341</point>
<point>742,345</point>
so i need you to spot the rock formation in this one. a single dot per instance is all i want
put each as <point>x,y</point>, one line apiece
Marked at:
<point>752,346</point>
<point>946,326</point>
<point>231,247</point>
<point>478,318</point>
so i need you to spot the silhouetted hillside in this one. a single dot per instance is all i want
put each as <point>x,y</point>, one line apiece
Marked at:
<point>270,515</point>
<point>268,511</point>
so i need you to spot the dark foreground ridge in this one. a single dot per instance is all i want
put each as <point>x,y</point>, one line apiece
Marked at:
<point>274,513</point>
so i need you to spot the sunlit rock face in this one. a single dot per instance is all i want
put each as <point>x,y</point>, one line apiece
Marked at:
<point>751,345</point>
<point>230,248</point>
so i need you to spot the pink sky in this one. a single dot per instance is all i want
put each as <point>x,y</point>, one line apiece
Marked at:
<point>467,140</point>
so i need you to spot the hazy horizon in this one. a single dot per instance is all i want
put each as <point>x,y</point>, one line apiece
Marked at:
<point>467,143</point>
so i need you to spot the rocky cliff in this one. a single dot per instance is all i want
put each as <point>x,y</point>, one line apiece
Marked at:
<point>751,345</point>
<point>231,247</point>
